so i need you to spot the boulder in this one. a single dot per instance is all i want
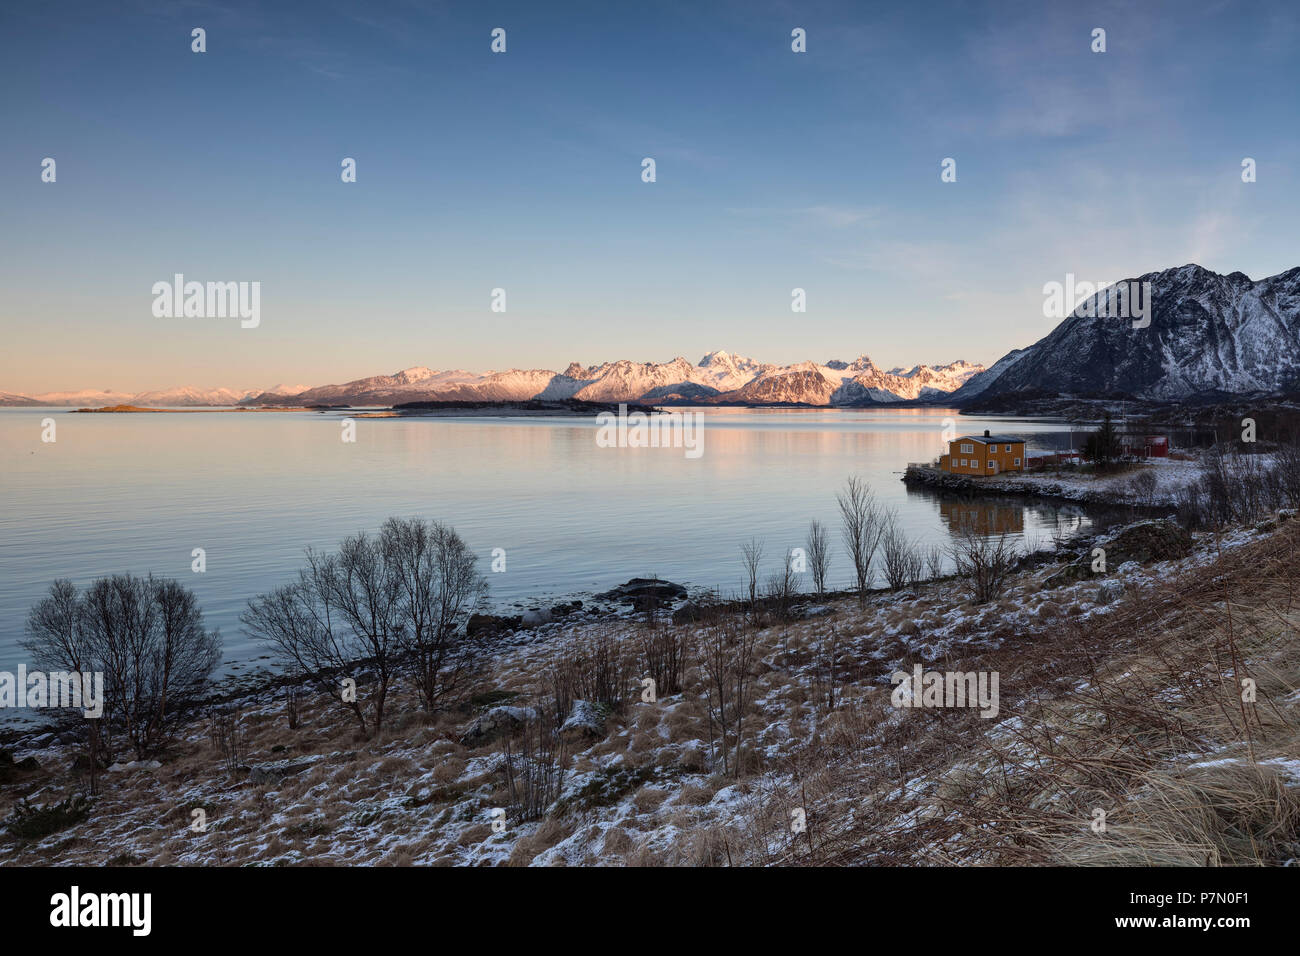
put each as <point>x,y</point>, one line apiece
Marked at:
<point>279,769</point>
<point>690,613</point>
<point>1109,592</point>
<point>585,723</point>
<point>134,765</point>
<point>490,625</point>
<point>495,723</point>
<point>12,770</point>
<point>642,593</point>
<point>1272,521</point>
<point>1147,541</point>
<point>1142,542</point>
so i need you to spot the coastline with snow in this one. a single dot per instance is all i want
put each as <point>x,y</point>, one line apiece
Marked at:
<point>1171,475</point>
<point>645,784</point>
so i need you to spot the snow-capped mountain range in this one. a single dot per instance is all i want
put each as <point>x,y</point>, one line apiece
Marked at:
<point>719,377</point>
<point>1209,336</point>
<point>167,397</point>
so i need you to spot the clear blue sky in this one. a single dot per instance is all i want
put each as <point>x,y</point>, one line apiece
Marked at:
<point>522,170</point>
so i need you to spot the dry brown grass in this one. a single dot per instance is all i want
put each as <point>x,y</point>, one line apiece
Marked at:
<point>1114,714</point>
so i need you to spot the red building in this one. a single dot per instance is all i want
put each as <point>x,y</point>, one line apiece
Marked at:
<point>1144,446</point>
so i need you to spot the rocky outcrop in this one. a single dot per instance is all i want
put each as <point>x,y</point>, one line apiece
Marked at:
<point>279,769</point>
<point>12,770</point>
<point>1143,542</point>
<point>491,625</point>
<point>585,723</point>
<point>496,723</point>
<point>642,593</point>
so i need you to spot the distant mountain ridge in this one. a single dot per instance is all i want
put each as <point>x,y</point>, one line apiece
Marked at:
<point>1209,336</point>
<point>184,396</point>
<point>718,378</point>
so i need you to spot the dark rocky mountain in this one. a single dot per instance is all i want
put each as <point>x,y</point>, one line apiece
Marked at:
<point>1209,335</point>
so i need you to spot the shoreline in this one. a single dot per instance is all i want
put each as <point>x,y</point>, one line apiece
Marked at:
<point>1052,486</point>
<point>209,409</point>
<point>645,783</point>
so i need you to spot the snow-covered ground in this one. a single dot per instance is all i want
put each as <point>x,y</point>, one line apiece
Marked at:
<point>647,788</point>
<point>1172,475</point>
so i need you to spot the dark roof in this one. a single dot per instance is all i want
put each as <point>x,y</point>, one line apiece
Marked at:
<point>990,439</point>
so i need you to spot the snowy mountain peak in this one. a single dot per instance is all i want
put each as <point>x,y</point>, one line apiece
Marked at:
<point>416,373</point>
<point>287,389</point>
<point>719,377</point>
<point>1203,334</point>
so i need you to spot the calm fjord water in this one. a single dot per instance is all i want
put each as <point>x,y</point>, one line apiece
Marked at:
<point>139,492</point>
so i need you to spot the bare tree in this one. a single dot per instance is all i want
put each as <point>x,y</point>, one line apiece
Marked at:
<point>651,602</point>
<point>297,622</point>
<point>934,561</point>
<point>825,655</point>
<point>1287,468</point>
<point>54,636</point>
<point>56,641</point>
<point>185,652</point>
<point>915,565</point>
<point>715,661</point>
<point>403,593</point>
<point>533,768</point>
<point>438,586</point>
<point>782,587</point>
<point>302,624</point>
<point>862,524</point>
<point>367,596</point>
<point>742,663</point>
<point>1143,487</point>
<point>594,669</point>
<point>902,561</point>
<point>752,557</point>
<point>664,653</point>
<point>819,554</point>
<point>984,562</point>
<point>146,636</point>
<point>726,656</point>
<point>227,736</point>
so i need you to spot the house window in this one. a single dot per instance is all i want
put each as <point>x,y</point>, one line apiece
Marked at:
<point>967,449</point>
<point>992,463</point>
<point>1017,462</point>
<point>963,462</point>
<point>1008,448</point>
